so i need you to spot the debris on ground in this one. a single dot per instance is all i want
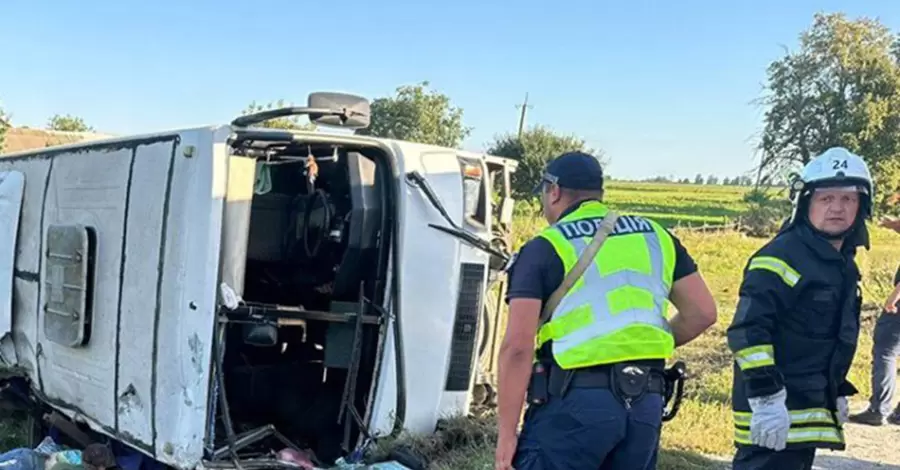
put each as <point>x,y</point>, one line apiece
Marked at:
<point>300,459</point>
<point>50,455</point>
<point>454,441</point>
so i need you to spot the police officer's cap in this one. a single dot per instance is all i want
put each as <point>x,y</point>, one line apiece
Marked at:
<point>573,170</point>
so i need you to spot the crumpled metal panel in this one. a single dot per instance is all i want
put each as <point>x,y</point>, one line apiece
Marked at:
<point>12,189</point>
<point>67,263</point>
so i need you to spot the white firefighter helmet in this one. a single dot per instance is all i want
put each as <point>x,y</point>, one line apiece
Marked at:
<point>837,166</point>
<point>834,168</point>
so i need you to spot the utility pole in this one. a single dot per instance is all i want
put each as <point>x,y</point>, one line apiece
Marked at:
<point>524,106</point>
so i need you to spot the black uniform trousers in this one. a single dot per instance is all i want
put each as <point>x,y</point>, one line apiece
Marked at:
<point>762,458</point>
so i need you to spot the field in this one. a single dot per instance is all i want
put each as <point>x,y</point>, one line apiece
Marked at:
<point>704,423</point>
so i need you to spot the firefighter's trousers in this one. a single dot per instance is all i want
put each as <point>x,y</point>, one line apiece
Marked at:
<point>761,458</point>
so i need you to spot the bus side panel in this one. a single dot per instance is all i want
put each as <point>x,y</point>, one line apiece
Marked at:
<point>87,188</point>
<point>193,229</point>
<point>143,237</point>
<point>12,188</point>
<point>27,266</point>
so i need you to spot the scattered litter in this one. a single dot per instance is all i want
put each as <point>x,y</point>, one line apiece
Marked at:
<point>48,446</point>
<point>297,458</point>
<point>392,465</point>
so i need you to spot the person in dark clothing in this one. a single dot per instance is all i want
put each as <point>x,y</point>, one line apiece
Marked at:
<point>796,324</point>
<point>613,318</point>
<point>885,349</point>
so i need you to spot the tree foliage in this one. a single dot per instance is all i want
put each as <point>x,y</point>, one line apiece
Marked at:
<point>4,126</point>
<point>289,123</point>
<point>417,114</point>
<point>537,146</point>
<point>840,88</point>
<point>68,123</point>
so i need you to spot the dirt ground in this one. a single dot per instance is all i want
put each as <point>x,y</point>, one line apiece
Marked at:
<point>868,447</point>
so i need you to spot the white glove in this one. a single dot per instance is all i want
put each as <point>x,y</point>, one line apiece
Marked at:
<point>843,410</point>
<point>770,421</point>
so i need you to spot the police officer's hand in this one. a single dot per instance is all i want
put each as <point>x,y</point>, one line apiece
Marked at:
<point>890,306</point>
<point>506,450</point>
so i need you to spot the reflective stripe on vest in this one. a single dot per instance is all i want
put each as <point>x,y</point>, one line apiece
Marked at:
<point>621,315</point>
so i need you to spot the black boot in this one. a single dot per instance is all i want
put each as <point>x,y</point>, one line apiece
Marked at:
<point>894,417</point>
<point>869,417</point>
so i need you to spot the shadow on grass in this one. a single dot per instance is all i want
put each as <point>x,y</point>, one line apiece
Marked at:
<point>684,460</point>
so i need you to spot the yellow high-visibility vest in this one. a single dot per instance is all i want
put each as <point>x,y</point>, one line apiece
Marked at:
<point>616,311</point>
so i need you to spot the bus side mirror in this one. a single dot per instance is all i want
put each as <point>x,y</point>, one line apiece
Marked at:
<point>506,210</point>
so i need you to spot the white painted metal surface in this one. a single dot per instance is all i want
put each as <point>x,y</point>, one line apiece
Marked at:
<point>143,375</point>
<point>429,266</point>
<point>12,188</point>
<point>457,402</point>
<point>27,264</point>
<point>157,209</point>
<point>139,284</point>
<point>188,297</point>
<point>87,188</point>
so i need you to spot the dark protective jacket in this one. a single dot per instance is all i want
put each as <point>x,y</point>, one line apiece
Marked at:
<point>796,326</point>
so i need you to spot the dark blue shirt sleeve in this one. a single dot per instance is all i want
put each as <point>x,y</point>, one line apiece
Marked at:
<point>684,263</point>
<point>536,271</point>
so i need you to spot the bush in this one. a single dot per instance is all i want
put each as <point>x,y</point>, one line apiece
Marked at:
<point>765,214</point>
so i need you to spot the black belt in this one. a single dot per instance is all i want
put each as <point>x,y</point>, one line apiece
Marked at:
<point>596,377</point>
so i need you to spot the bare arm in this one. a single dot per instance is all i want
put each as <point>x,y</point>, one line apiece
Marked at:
<point>891,223</point>
<point>696,308</point>
<point>890,305</point>
<point>514,363</point>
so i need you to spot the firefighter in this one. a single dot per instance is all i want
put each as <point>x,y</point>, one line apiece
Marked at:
<point>796,324</point>
<point>595,389</point>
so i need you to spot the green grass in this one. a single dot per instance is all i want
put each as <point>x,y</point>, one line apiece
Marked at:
<point>12,430</point>
<point>704,424</point>
<point>672,205</point>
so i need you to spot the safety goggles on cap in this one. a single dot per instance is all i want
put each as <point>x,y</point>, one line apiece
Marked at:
<point>546,178</point>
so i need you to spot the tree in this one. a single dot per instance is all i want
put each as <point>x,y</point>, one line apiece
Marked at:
<point>712,179</point>
<point>417,115</point>
<point>698,179</point>
<point>4,126</point>
<point>289,123</point>
<point>68,123</point>
<point>841,88</point>
<point>537,146</point>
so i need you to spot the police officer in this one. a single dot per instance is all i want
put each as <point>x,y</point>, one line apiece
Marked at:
<point>796,325</point>
<point>600,354</point>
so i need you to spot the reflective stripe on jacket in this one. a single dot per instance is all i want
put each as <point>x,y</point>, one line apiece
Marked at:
<point>796,326</point>
<point>615,311</point>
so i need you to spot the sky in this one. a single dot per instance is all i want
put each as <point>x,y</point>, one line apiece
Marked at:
<point>663,88</point>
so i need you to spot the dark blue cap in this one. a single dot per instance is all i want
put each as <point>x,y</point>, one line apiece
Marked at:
<point>573,170</point>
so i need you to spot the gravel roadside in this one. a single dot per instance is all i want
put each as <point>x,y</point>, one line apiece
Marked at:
<point>868,448</point>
